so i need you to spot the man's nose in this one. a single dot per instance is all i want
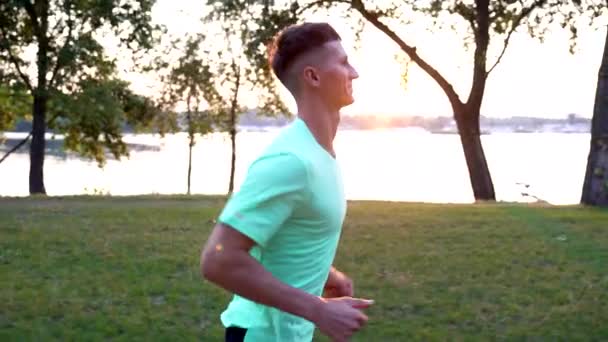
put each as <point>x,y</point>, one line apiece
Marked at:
<point>354,74</point>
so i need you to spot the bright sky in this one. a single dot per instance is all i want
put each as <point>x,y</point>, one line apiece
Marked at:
<point>533,79</point>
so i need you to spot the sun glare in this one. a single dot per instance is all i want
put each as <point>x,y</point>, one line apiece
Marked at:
<point>533,79</point>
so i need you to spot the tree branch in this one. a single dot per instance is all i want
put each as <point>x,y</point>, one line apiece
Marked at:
<point>524,13</point>
<point>14,60</point>
<point>411,52</point>
<point>31,11</point>
<point>22,142</point>
<point>16,147</point>
<point>504,48</point>
<point>319,3</point>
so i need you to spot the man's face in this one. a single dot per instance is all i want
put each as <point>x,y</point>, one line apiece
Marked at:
<point>336,75</point>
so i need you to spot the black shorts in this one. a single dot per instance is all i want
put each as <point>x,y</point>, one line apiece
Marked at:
<point>235,334</point>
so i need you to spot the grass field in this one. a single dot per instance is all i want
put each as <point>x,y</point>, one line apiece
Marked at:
<point>101,268</point>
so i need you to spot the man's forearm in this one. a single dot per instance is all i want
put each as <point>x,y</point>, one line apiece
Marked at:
<point>239,273</point>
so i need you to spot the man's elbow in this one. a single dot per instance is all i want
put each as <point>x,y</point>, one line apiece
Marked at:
<point>210,266</point>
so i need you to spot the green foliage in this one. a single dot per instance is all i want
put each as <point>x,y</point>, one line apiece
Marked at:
<point>94,116</point>
<point>73,49</point>
<point>537,16</point>
<point>144,114</point>
<point>85,99</point>
<point>237,74</point>
<point>255,24</point>
<point>215,76</point>
<point>189,82</point>
<point>14,103</point>
<point>504,17</point>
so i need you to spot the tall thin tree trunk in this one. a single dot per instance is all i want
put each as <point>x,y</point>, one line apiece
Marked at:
<point>190,145</point>
<point>595,187</point>
<point>190,140</point>
<point>37,147</point>
<point>479,172</point>
<point>233,160</point>
<point>233,109</point>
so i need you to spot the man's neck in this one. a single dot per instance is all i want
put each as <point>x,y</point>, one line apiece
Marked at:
<point>322,123</point>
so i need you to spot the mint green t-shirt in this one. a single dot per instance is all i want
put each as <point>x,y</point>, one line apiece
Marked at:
<point>292,205</point>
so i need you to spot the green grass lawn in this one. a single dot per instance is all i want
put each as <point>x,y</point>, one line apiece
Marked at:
<point>99,268</point>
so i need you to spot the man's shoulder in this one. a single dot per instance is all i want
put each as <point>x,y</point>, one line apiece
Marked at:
<point>288,145</point>
<point>280,165</point>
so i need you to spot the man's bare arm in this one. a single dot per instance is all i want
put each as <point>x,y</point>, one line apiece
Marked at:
<point>225,261</point>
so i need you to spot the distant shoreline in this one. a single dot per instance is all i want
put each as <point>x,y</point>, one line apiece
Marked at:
<point>252,121</point>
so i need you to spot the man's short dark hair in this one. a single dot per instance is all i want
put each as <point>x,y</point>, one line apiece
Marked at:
<point>296,40</point>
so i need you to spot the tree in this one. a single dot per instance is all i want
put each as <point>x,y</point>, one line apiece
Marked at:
<point>235,75</point>
<point>486,22</point>
<point>76,90</point>
<point>192,82</point>
<point>233,66</point>
<point>239,64</point>
<point>595,188</point>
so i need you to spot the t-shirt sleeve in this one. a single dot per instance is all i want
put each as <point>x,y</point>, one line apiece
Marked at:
<point>273,187</point>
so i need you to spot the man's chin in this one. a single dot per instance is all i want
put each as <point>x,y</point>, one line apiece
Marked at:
<point>349,101</point>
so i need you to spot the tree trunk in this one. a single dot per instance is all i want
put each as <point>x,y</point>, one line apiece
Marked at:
<point>467,115</point>
<point>595,187</point>
<point>37,146</point>
<point>190,145</point>
<point>39,107</point>
<point>233,161</point>
<point>233,108</point>
<point>479,173</point>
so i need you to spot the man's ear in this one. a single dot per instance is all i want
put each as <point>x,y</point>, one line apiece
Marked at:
<point>311,76</point>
